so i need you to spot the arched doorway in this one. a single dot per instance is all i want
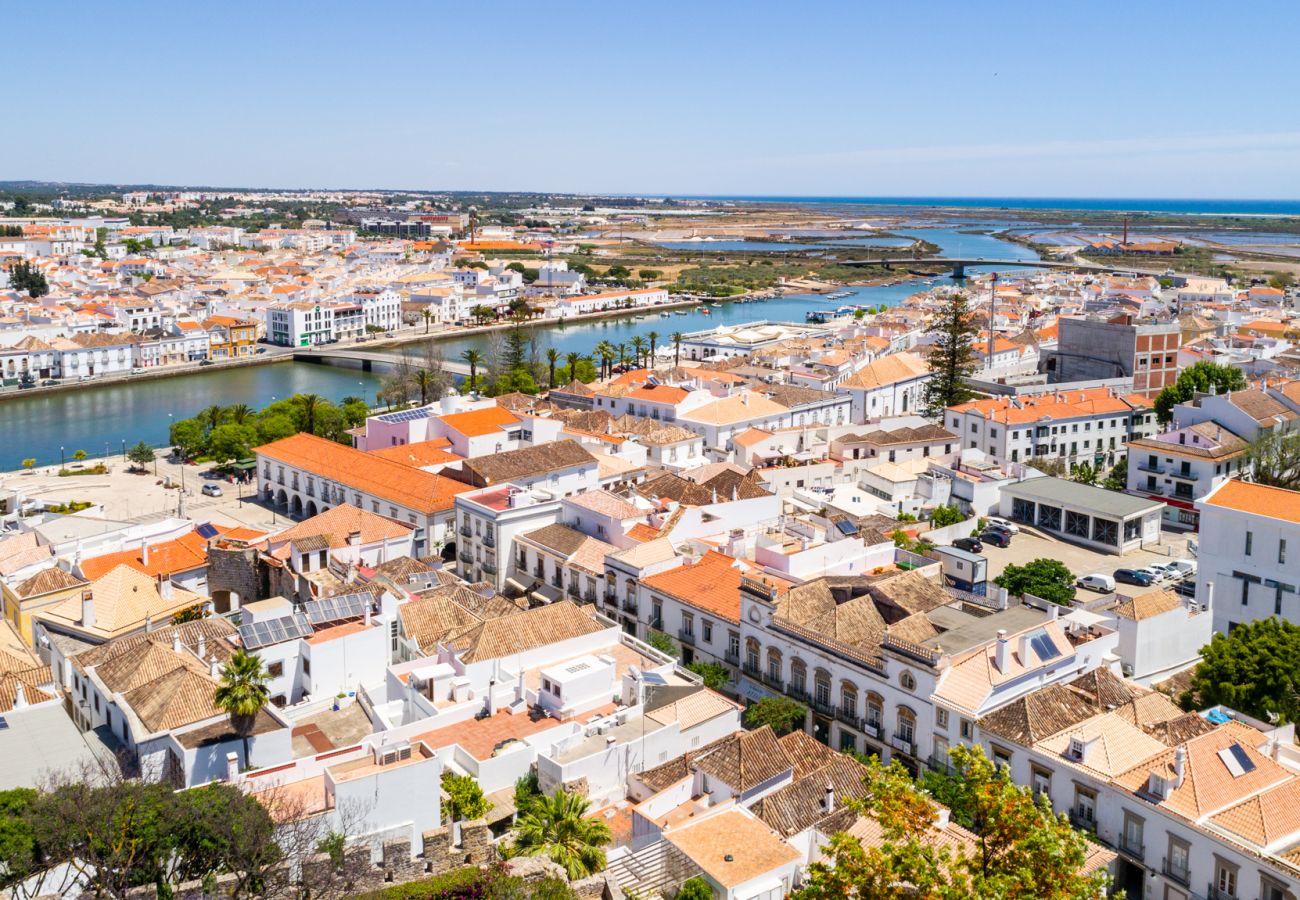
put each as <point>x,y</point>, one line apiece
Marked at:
<point>311,508</point>
<point>281,498</point>
<point>295,506</point>
<point>224,601</point>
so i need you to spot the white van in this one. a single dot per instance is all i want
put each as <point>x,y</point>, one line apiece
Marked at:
<point>1102,584</point>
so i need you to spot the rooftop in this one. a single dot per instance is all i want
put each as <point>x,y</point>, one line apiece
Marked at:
<point>1083,496</point>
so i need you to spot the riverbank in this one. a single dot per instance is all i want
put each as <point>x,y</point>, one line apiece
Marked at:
<point>276,355</point>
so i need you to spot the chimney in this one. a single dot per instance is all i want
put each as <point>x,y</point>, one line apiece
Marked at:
<point>148,622</point>
<point>165,585</point>
<point>354,538</point>
<point>367,615</point>
<point>176,641</point>
<point>828,801</point>
<point>87,609</point>
<point>20,696</point>
<point>1002,655</point>
<point>214,667</point>
<point>232,766</point>
<point>1209,595</point>
<point>144,553</point>
<point>941,817</point>
<point>1023,647</point>
<point>203,646</point>
<point>1180,765</point>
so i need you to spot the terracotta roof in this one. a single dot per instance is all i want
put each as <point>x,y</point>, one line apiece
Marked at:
<point>1260,406</point>
<point>711,585</point>
<point>477,422</point>
<point>801,804</point>
<point>47,581</point>
<point>604,503</point>
<point>187,552</point>
<point>419,454</point>
<point>732,847</point>
<point>413,488</point>
<point>744,759</point>
<point>334,525</point>
<point>556,537</point>
<point>527,462</point>
<point>888,370</point>
<point>525,631</point>
<point>1152,603</point>
<point>1039,715</point>
<point>122,599</point>
<point>806,752</point>
<point>179,698</point>
<point>1257,499</point>
<point>1070,404</point>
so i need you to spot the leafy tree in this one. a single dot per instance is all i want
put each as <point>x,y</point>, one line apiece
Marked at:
<point>240,413</point>
<point>274,427</point>
<point>527,790</point>
<point>1083,473</point>
<point>1197,378</point>
<point>140,456</point>
<point>1045,578</point>
<point>663,643</point>
<point>19,855</point>
<point>618,271</point>
<point>211,416</point>
<point>943,516</point>
<point>1021,849</point>
<point>230,442</point>
<point>1117,479</point>
<point>29,463</point>
<point>677,338</point>
<point>23,276</point>
<point>648,274</point>
<point>242,693</point>
<point>952,358</point>
<point>1255,669</point>
<point>694,889</point>
<point>557,827</point>
<point>309,406</point>
<point>783,714</point>
<point>188,436</point>
<point>465,798</point>
<point>715,675</point>
<point>473,359</point>
<point>79,455</point>
<point>1275,459</point>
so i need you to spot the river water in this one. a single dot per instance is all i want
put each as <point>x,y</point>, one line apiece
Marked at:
<point>99,419</point>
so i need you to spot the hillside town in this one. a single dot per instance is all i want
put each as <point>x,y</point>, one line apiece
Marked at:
<point>710,601</point>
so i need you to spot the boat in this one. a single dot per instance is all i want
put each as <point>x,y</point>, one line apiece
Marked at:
<point>665,314</point>
<point>716,305</point>
<point>706,311</point>
<point>682,312</point>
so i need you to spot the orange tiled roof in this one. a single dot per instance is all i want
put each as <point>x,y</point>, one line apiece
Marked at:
<point>1259,499</point>
<point>477,422</point>
<point>413,488</point>
<point>189,551</point>
<point>712,584</point>
<point>1063,405</point>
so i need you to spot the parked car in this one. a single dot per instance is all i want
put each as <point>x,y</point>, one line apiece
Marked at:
<point>969,544</point>
<point>49,382</point>
<point>996,536</point>
<point>212,490</point>
<point>1157,572</point>
<point>1186,567</point>
<point>1004,524</point>
<point>205,362</point>
<point>261,350</point>
<point>1102,584</point>
<point>1134,576</point>
<point>1185,589</point>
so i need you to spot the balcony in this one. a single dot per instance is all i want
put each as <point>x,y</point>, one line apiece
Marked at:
<point>686,637</point>
<point>489,568</point>
<point>657,623</point>
<point>466,531</point>
<point>1189,475</point>
<point>1082,821</point>
<point>731,657</point>
<point>1132,846</point>
<point>903,744</point>
<point>940,764</point>
<point>490,539</point>
<point>774,681</point>
<point>795,692</point>
<point>1214,892</point>
<point>871,729</point>
<point>1157,468</point>
<point>611,597</point>
<point>848,715</point>
<point>1181,874</point>
<point>589,596</point>
<point>752,670</point>
<point>825,707</point>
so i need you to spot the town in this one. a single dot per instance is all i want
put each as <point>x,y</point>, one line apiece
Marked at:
<point>670,618</point>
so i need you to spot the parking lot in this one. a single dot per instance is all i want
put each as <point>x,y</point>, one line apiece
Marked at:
<point>1030,545</point>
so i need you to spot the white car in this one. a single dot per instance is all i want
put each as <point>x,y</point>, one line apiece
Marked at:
<point>1002,523</point>
<point>1159,572</point>
<point>212,490</point>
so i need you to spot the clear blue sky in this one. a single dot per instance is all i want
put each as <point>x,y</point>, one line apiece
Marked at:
<point>1100,99</point>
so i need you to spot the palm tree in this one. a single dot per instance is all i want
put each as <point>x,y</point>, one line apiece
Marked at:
<point>427,315</point>
<point>605,350</point>
<point>242,693</point>
<point>622,355</point>
<point>309,404</point>
<point>572,359</point>
<point>654,340</point>
<point>212,416</point>
<point>556,827</point>
<point>677,348</point>
<point>552,357</point>
<point>423,379</point>
<point>472,359</point>
<point>240,413</point>
<point>638,350</point>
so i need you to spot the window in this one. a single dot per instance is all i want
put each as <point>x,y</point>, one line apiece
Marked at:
<point>1130,840</point>
<point>906,725</point>
<point>733,645</point>
<point>1040,781</point>
<point>688,624</point>
<point>707,630</point>
<point>1001,757</point>
<point>1225,877</point>
<point>773,664</point>
<point>848,742</point>
<point>1178,860</point>
<point>822,688</point>
<point>907,680</point>
<point>941,717</point>
<point>1250,541</point>
<point>275,670</point>
<point>875,710</point>
<point>1085,808</point>
<point>1281,551</point>
<point>798,676</point>
<point>967,729</point>
<point>751,655</point>
<point>306,666</point>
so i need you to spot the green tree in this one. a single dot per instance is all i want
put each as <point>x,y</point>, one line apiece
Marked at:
<point>1021,850</point>
<point>423,380</point>
<point>677,339</point>
<point>952,357</point>
<point>653,338</point>
<point>1045,578</point>
<point>618,271</point>
<point>663,643</point>
<point>274,427</point>
<point>1254,669</point>
<point>557,827</point>
<point>19,855</point>
<point>466,801</point>
<point>473,359</point>
<point>782,714</point>
<point>638,350</point>
<point>943,516</point>
<point>1083,473</point>
<point>483,313</point>
<point>79,455</point>
<point>552,359</point>
<point>240,413</point>
<point>1117,479</point>
<point>1197,378</point>
<point>23,276</point>
<point>715,675</point>
<point>1275,459</point>
<point>29,463</point>
<point>231,442</point>
<point>694,889</point>
<point>242,694</point>
<point>211,416</point>
<point>188,436</point>
<point>427,315</point>
<point>140,456</point>
<point>309,407</point>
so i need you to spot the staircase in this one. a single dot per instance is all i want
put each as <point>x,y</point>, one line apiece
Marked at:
<point>655,869</point>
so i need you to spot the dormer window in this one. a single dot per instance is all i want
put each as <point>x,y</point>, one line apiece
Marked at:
<point>1075,750</point>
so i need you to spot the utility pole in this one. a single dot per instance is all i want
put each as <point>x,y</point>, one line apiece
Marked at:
<point>993,305</point>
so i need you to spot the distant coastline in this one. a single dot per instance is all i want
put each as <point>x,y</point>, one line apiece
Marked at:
<point>1189,206</point>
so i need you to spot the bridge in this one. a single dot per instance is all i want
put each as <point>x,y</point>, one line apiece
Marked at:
<point>958,265</point>
<point>368,360</point>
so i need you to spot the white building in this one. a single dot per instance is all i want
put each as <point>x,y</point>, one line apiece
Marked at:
<point>1184,465</point>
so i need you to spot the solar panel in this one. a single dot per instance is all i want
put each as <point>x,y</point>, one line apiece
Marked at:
<point>1044,646</point>
<point>1239,754</point>
<point>207,530</point>
<point>336,609</point>
<point>846,527</point>
<point>274,631</point>
<point>3,723</point>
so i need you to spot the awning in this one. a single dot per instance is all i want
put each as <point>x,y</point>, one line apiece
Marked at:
<point>516,586</point>
<point>1084,617</point>
<point>546,593</point>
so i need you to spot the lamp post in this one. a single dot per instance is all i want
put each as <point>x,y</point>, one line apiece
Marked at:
<point>62,461</point>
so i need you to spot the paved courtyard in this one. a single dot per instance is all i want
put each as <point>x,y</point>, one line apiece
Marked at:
<point>1030,545</point>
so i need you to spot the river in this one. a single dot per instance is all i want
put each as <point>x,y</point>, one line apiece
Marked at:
<point>99,419</point>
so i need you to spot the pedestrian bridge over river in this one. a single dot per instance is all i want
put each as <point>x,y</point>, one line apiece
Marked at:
<point>958,265</point>
<point>368,360</point>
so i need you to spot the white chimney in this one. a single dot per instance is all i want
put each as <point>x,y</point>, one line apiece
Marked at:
<point>354,538</point>
<point>20,696</point>
<point>176,641</point>
<point>232,766</point>
<point>1002,653</point>
<point>165,585</point>
<point>367,615</point>
<point>1023,647</point>
<point>1209,595</point>
<point>148,622</point>
<point>87,609</point>
<point>144,553</point>
<point>941,817</point>
<point>1180,765</point>
<point>829,798</point>
<point>214,667</point>
<point>203,646</point>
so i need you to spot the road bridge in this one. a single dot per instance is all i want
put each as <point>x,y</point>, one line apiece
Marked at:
<point>368,360</point>
<point>958,264</point>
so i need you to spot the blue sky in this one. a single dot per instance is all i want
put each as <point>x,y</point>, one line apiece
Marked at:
<point>1100,99</point>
